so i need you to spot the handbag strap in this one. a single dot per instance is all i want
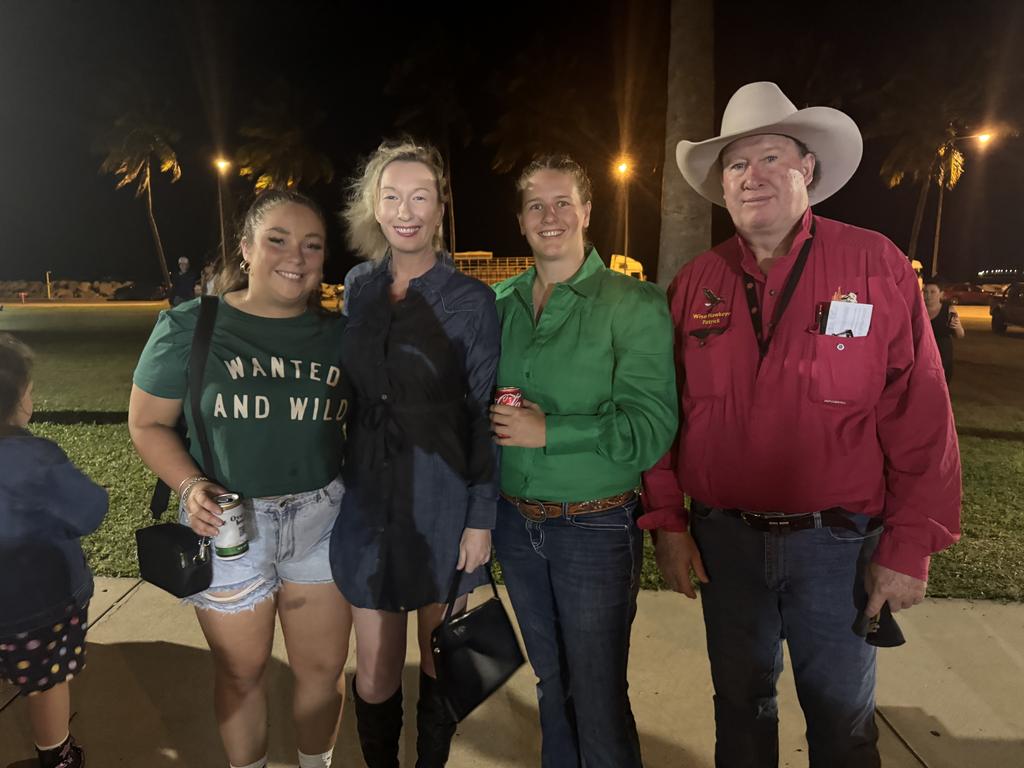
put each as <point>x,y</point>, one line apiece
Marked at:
<point>452,593</point>
<point>198,355</point>
<point>196,370</point>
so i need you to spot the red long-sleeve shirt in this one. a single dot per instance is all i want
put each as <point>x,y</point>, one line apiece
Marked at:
<point>822,421</point>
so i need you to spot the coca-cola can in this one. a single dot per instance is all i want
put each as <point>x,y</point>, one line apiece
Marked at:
<point>508,396</point>
<point>231,541</point>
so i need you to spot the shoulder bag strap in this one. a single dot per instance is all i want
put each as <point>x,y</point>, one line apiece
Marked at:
<point>196,368</point>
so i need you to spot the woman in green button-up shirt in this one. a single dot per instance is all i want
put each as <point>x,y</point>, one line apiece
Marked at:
<point>591,351</point>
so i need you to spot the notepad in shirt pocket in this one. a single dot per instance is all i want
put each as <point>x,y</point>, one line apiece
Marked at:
<point>847,318</point>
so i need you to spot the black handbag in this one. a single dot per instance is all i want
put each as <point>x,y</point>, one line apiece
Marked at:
<point>475,653</point>
<point>172,556</point>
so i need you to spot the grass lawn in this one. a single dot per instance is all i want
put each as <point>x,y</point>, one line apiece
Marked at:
<point>85,358</point>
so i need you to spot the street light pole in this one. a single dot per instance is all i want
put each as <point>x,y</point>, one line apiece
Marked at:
<point>223,166</point>
<point>623,168</point>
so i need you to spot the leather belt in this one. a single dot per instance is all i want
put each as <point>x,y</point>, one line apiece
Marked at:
<point>764,522</point>
<point>537,510</point>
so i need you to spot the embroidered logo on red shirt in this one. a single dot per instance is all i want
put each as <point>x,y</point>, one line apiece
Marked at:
<point>712,318</point>
<point>712,300</point>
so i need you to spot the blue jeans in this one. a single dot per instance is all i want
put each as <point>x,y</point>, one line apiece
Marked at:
<point>800,587</point>
<point>573,583</point>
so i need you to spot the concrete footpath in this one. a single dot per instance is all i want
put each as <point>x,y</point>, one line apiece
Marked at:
<point>951,697</point>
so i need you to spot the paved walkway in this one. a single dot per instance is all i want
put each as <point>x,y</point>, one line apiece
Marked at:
<point>950,697</point>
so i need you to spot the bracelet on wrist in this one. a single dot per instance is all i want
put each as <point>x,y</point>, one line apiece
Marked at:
<point>187,493</point>
<point>192,479</point>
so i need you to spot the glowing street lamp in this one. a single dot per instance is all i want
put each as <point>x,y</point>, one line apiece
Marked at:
<point>984,138</point>
<point>223,166</point>
<point>623,167</point>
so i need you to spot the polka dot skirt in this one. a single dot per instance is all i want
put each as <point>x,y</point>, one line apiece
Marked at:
<point>38,660</point>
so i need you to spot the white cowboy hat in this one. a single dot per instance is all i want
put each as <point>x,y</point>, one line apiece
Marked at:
<point>759,108</point>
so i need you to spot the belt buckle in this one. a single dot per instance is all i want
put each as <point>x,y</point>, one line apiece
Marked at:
<point>779,524</point>
<point>536,517</point>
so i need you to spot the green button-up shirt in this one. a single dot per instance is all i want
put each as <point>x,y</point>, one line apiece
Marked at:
<point>600,365</point>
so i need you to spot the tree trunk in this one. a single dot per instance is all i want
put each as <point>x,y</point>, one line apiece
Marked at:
<point>156,233</point>
<point>685,215</point>
<point>915,232</point>
<point>938,227</point>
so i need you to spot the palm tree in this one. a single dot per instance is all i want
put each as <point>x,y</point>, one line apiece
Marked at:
<point>922,110</point>
<point>685,215</point>
<point>136,139</point>
<point>277,152</point>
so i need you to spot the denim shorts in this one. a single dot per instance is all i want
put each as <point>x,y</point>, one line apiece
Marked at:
<point>289,540</point>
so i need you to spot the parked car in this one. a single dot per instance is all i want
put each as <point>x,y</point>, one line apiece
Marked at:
<point>1008,308</point>
<point>965,293</point>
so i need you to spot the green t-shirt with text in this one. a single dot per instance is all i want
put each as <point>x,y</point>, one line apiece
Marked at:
<point>274,396</point>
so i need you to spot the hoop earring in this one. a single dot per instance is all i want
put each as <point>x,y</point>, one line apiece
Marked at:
<point>246,267</point>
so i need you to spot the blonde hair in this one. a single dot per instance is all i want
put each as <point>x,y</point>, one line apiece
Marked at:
<point>230,276</point>
<point>364,234</point>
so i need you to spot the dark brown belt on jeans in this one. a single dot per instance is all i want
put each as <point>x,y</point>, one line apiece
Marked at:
<point>768,522</point>
<point>537,510</point>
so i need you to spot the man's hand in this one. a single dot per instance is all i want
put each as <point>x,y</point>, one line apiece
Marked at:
<point>677,554</point>
<point>885,585</point>
<point>523,427</point>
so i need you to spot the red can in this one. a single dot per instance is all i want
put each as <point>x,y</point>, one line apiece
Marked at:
<point>508,396</point>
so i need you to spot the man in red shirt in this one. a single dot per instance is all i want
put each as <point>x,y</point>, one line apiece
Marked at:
<point>816,439</point>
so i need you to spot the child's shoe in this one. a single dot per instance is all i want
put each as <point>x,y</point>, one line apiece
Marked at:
<point>67,755</point>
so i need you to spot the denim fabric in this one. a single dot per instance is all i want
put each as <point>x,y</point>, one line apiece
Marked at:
<point>801,587</point>
<point>420,465</point>
<point>573,583</point>
<point>289,540</point>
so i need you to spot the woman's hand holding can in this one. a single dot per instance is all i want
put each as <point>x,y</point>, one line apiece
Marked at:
<point>203,512</point>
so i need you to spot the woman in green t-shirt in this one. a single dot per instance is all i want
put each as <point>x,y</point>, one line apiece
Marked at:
<point>272,405</point>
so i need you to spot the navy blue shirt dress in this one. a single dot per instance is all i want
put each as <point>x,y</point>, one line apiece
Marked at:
<point>420,466</point>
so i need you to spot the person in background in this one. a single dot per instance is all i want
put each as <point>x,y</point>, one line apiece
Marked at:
<point>946,323</point>
<point>183,283</point>
<point>46,505</point>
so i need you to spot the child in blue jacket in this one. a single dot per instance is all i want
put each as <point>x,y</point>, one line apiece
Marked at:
<point>46,505</point>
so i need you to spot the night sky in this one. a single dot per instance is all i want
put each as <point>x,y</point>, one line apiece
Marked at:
<point>491,86</point>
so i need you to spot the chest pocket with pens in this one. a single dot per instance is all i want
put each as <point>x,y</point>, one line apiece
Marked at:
<point>847,368</point>
<point>846,362</point>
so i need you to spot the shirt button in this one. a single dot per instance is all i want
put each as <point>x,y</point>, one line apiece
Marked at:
<point>771,292</point>
<point>527,374</point>
<point>384,396</point>
<point>749,286</point>
<point>840,347</point>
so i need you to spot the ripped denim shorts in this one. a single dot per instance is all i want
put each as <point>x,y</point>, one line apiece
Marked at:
<point>289,540</point>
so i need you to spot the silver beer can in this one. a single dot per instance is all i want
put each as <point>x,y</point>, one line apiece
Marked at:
<point>231,541</point>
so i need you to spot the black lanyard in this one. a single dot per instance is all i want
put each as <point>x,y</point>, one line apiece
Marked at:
<point>763,339</point>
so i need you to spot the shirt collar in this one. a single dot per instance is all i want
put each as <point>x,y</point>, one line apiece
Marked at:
<point>749,262</point>
<point>434,278</point>
<point>584,282</point>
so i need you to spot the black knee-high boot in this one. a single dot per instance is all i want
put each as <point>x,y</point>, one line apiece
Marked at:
<point>434,726</point>
<point>379,727</point>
